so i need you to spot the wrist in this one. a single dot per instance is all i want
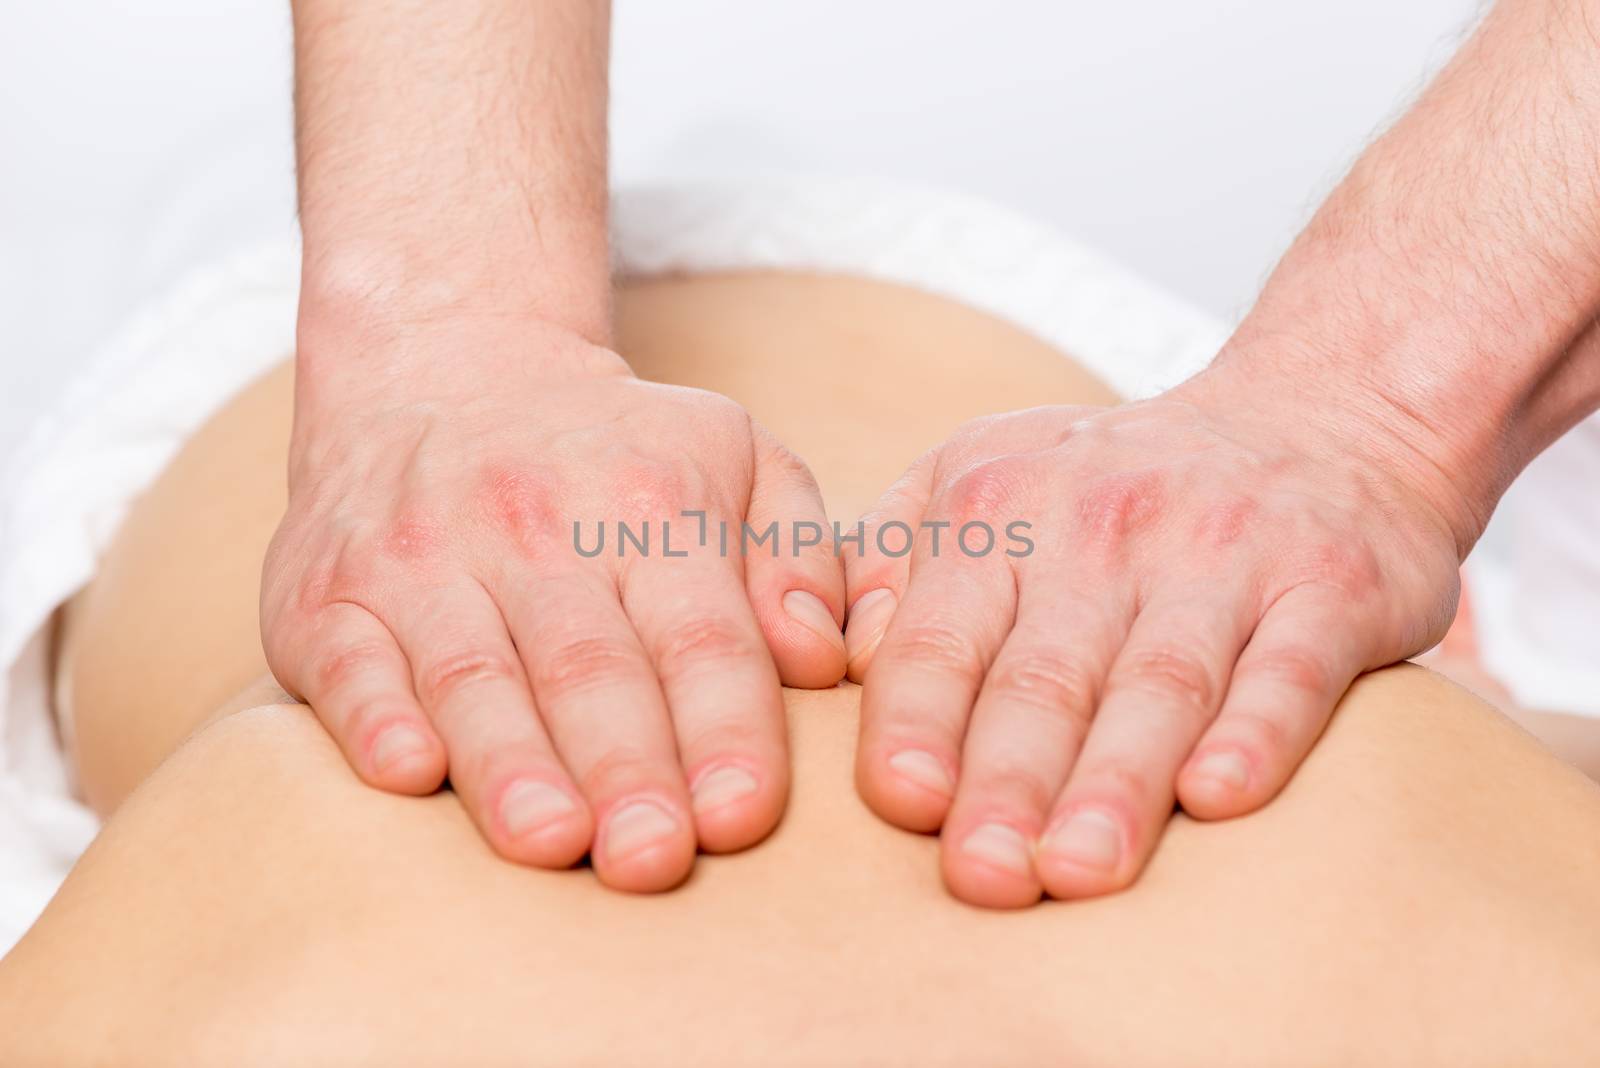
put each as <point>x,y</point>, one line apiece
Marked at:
<point>1320,405</point>
<point>369,356</point>
<point>1448,376</point>
<point>380,288</point>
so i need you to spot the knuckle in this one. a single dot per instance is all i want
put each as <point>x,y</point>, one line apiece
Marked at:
<point>1265,734</point>
<point>1348,569</point>
<point>1224,522</point>
<point>338,667</point>
<point>702,640</point>
<point>938,646</point>
<point>521,504</point>
<point>620,771</point>
<point>585,663</point>
<point>1296,666</point>
<point>648,490</point>
<point>410,538</point>
<point>446,676</point>
<point>1047,681</point>
<point>987,490</point>
<point>725,736</point>
<point>1013,780</point>
<point>1171,675</point>
<point>1114,507</point>
<point>1119,779</point>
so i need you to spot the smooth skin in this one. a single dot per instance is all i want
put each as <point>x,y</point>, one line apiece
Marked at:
<point>458,407</point>
<point>1214,566</point>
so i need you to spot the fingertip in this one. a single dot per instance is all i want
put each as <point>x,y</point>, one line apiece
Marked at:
<point>645,846</point>
<point>405,756</point>
<point>1220,783</point>
<point>736,806</point>
<point>540,824</point>
<point>1085,853</point>
<point>806,642</point>
<point>909,786</point>
<point>991,866</point>
<point>865,626</point>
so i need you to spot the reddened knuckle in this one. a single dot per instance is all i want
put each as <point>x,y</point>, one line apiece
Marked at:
<point>1171,674</point>
<point>1226,521</point>
<point>1114,507</point>
<point>448,675</point>
<point>1350,569</point>
<point>521,503</point>
<point>583,663</point>
<point>987,491</point>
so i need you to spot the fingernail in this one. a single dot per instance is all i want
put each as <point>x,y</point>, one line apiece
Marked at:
<point>1002,846</point>
<point>1090,838</point>
<point>527,806</point>
<point>718,788</point>
<point>808,610</point>
<point>1224,766</point>
<point>924,769</point>
<point>865,626</point>
<point>637,826</point>
<point>396,744</point>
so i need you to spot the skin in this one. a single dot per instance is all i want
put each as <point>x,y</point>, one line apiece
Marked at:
<point>1215,566</point>
<point>458,407</point>
<point>1422,893</point>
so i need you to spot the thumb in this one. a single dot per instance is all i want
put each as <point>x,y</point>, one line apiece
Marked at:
<point>877,562</point>
<point>795,579</point>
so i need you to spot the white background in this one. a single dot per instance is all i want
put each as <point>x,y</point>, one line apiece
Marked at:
<point>1190,140</point>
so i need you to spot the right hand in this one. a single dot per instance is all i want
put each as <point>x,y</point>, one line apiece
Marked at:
<point>424,595</point>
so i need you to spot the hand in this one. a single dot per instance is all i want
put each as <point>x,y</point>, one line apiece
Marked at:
<point>1207,575</point>
<point>425,595</point>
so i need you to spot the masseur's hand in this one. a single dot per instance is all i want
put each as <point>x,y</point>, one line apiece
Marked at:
<point>1208,572</point>
<point>426,596</point>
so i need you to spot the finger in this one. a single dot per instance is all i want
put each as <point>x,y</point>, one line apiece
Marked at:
<point>502,763</point>
<point>877,562</point>
<point>695,622</point>
<point>1027,728</point>
<point>796,588</point>
<point>358,682</point>
<point>1301,659</point>
<point>925,676</point>
<point>600,700</point>
<point>1162,691</point>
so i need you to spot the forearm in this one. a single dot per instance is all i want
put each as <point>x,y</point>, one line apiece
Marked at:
<point>1453,278</point>
<point>452,161</point>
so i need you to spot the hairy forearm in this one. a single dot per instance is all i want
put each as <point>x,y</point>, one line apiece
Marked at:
<point>452,161</point>
<point>1453,279</point>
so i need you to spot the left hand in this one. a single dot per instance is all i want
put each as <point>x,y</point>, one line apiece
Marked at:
<point>1209,571</point>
